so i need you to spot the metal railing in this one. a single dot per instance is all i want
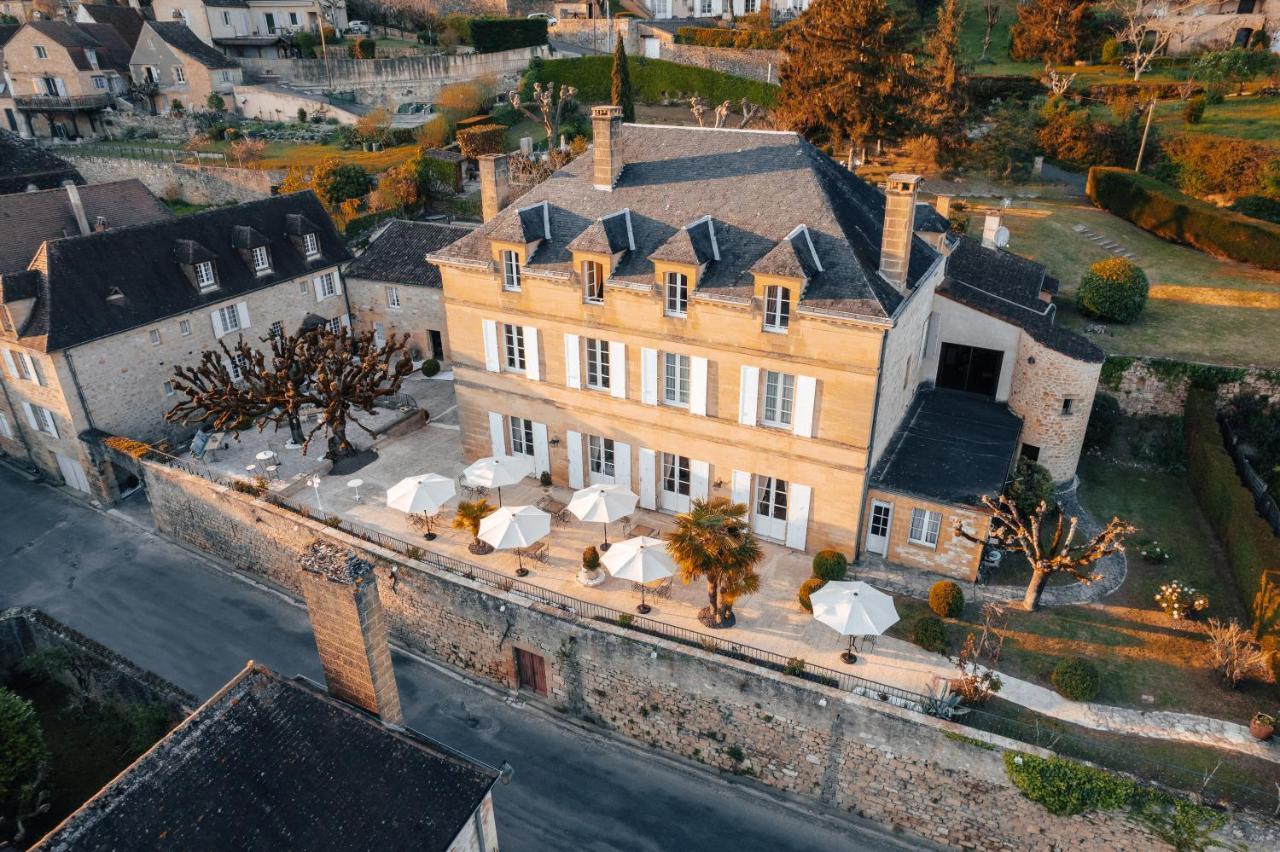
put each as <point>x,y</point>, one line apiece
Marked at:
<point>62,101</point>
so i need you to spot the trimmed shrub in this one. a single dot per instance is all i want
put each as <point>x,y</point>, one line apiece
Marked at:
<point>1193,110</point>
<point>1112,50</point>
<point>1032,484</point>
<point>1076,679</point>
<point>1104,419</point>
<point>930,633</point>
<point>715,37</point>
<point>1165,212</point>
<point>652,81</point>
<point>807,588</point>
<point>1258,207</point>
<point>946,599</point>
<point>430,367</point>
<point>490,35</point>
<point>1114,290</point>
<point>482,139</point>
<point>1201,164</point>
<point>363,48</point>
<point>830,565</point>
<point>590,558</point>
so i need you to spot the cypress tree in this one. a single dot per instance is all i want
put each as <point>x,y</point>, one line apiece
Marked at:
<point>944,98</point>
<point>621,92</point>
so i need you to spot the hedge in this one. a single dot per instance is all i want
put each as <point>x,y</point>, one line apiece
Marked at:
<point>482,139</point>
<point>983,91</point>
<point>490,35</point>
<point>714,37</point>
<point>1165,212</point>
<point>652,81</point>
<point>1250,545</point>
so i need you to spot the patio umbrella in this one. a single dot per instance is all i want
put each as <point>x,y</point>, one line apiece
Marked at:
<point>853,609</point>
<point>641,560</point>
<point>515,527</point>
<point>425,493</point>
<point>600,504</point>
<point>497,471</point>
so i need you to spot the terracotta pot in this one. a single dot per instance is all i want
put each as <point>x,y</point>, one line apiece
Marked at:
<point>1261,730</point>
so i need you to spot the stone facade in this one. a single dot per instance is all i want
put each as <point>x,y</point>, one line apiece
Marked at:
<point>759,65</point>
<point>196,184</point>
<point>952,555</point>
<point>1142,390</point>
<point>1053,394</point>
<point>420,312</point>
<point>180,77</point>
<point>49,95</point>
<point>1201,25</point>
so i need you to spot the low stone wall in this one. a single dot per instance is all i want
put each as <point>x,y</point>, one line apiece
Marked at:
<point>759,65</point>
<point>593,34</point>
<point>932,778</point>
<point>198,185</point>
<point>271,104</point>
<point>1152,386</point>
<point>374,73</point>
<point>172,128</point>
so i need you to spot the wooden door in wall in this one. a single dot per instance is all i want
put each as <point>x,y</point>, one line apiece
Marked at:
<point>531,671</point>
<point>878,527</point>
<point>72,472</point>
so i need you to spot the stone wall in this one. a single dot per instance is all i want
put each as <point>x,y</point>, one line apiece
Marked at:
<point>932,778</point>
<point>172,128</point>
<point>759,65</point>
<point>1144,389</point>
<point>1044,380</point>
<point>593,34</point>
<point>198,185</point>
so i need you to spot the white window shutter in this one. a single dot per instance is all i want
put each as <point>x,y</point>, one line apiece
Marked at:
<point>742,487</point>
<point>8,362</point>
<point>573,446</point>
<point>622,464</point>
<point>748,395</point>
<point>802,417</point>
<point>618,369</point>
<point>242,308</point>
<point>337,283</point>
<point>572,371</point>
<point>490,328</point>
<point>699,479</point>
<point>315,282</point>
<point>497,437</point>
<point>532,369</point>
<point>33,367</point>
<point>218,329</point>
<point>31,415</point>
<point>698,386</point>
<point>648,461</point>
<point>798,515</point>
<point>49,421</point>
<point>541,451</point>
<point>649,376</point>
<point>343,319</point>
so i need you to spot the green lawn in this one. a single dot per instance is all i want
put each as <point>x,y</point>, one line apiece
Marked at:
<point>1248,117</point>
<point>527,127</point>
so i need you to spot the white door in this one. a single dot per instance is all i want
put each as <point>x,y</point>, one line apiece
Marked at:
<point>73,473</point>
<point>878,527</point>
<point>675,482</point>
<point>652,47</point>
<point>601,461</point>
<point>770,518</point>
<point>379,335</point>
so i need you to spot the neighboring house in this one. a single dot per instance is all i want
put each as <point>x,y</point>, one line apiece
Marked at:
<point>19,9</point>
<point>666,9</point>
<point>127,20</point>
<point>24,166</point>
<point>691,312</point>
<point>251,28</point>
<point>393,290</point>
<point>131,303</point>
<point>1215,24</point>
<point>173,66</point>
<point>62,75</point>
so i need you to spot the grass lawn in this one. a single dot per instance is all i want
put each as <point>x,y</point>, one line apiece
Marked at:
<point>182,208</point>
<point>1249,117</point>
<point>526,127</point>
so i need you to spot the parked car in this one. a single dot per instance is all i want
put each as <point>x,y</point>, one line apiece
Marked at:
<point>358,27</point>
<point>550,19</point>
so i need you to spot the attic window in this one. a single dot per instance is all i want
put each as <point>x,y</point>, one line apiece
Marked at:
<point>91,55</point>
<point>311,245</point>
<point>261,259</point>
<point>115,296</point>
<point>204,275</point>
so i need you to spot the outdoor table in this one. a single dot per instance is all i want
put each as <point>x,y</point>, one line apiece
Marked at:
<point>355,485</point>
<point>647,532</point>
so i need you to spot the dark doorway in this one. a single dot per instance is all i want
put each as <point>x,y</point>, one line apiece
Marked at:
<point>437,344</point>
<point>11,119</point>
<point>969,368</point>
<point>1245,7</point>
<point>531,671</point>
<point>1030,452</point>
<point>1242,37</point>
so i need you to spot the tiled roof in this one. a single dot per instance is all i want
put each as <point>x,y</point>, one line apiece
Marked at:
<point>111,49</point>
<point>22,163</point>
<point>8,31</point>
<point>178,36</point>
<point>127,20</point>
<point>398,255</point>
<point>274,763</point>
<point>28,219</point>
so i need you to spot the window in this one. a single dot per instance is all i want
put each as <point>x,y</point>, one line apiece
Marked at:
<point>771,498</point>
<point>293,18</point>
<point>750,7</point>
<point>204,275</point>
<point>309,242</point>
<point>335,325</point>
<point>393,297</point>
<point>5,429</point>
<point>513,346</point>
<point>675,474</point>
<point>677,290</point>
<point>924,527</point>
<point>226,76</point>
<point>44,420</point>
<point>592,282</point>
<point>597,363</point>
<point>328,285</point>
<point>600,455</point>
<point>521,436</point>
<point>779,394</point>
<point>510,271</point>
<point>24,366</point>
<point>184,328</point>
<point>99,82</point>
<point>277,330</point>
<point>236,367</point>
<point>261,259</point>
<point>302,287</point>
<point>229,317</point>
<point>168,389</point>
<point>675,379</point>
<point>1030,452</point>
<point>154,335</point>
<point>777,308</point>
<point>41,53</point>
<point>91,55</point>
<point>226,19</point>
<point>1068,406</point>
<point>704,7</point>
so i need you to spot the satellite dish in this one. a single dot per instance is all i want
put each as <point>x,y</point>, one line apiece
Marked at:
<point>1002,237</point>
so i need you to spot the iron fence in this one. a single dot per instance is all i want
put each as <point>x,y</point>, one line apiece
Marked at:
<point>1262,499</point>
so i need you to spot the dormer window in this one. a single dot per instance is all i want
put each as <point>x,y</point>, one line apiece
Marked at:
<point>261,259</point>
<point>677,294</point>
<point>91,55</point>
<point>777,308</point>
<point>311,244</point>
<point>593,282</point>
<point>204,275</point>
<point>511,271</point>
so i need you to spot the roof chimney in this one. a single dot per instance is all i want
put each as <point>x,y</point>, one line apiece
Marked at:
<point>899,227</point>
<point>495,185</point>
<point>77,207</point>
<point>943,205</point>
<point>991,229</point>
<point>606,135</point>
<point>341,591</point>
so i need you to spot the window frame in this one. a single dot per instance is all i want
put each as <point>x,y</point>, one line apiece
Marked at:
<point>1068,406</point>
<point>675,294</point>
<point>672,470</point>
<point>777,309</point>
<point>521,430</point>
<point>40,52</point>
<point>597,362</point>
<point>925,528</point>
<point>513,348</point>
<point>683,370</point>
<point>592,282</point>
<point>328,286</point>
<point>781,414</point>
<point>276,331</point>
<point>393,297</point>
<point>510,271</point>
<point>179,75</point>
<point>261,259</point>
<point>601,451</point>
<point>206,277</point>
<point>229,317</point>
<point>310,245</point>
<point>153,335</point>
<point>184,327</point>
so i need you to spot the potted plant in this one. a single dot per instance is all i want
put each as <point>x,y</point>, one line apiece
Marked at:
<point>591,575</point>
<point>430,367</point>
<point>468,517</point>
<point>544,479</point>
<point>1262,725</point>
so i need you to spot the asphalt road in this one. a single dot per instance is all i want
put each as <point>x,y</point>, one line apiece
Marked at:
<point>196,625</point>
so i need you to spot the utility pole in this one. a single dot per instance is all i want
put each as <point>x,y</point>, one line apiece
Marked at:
<point>1142,148</point>
<point>324,48</point>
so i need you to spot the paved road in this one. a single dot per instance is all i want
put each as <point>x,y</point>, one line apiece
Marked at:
<point>172,613</point>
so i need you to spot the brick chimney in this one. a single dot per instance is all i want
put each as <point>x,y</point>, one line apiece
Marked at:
<point>990,226</point>
<point>606,134</point>
<point>899,226</point>
<point>77,207</point>
<point>341,591</point>
<point>495,184</point>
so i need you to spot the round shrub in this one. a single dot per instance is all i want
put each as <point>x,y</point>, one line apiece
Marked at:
<point>1114,290</point>
<point>1076,679</point>
<point>1193,110</point>
<point>830,565</point>
<point>808,587</point>
<point>430,367</point>
<point>929,633</point>
<point>946,599</point>
<point>1032,485</point>
<point>1112,50</point>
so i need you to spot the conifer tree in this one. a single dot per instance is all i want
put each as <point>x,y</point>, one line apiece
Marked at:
<point>944,98</point>
<point>1050,31</point>
<point>621,92</point>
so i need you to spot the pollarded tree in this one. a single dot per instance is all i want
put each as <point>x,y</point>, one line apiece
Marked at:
<point>944,99</point>
<point>1050,31</point>
<point>713,542</point>
<point>847,72</point>
<point>552,106</point>
<point>621,88</point>
<point>338,373</point>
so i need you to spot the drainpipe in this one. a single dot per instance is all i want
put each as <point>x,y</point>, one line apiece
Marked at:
<point>75,381</point>
<point>17,422</point>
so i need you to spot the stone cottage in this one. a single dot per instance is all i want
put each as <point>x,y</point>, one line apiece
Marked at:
<point>178,68</point>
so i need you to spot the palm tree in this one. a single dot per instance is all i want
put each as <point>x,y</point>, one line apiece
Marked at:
<point>468,517</point>
<point>712,541</point>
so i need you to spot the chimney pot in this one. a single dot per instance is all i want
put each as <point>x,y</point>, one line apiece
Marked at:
<point>606,133</point>
<point>990,226</point>
<point>77,207</point>
<point>495,184</point>
<point>899,228</point>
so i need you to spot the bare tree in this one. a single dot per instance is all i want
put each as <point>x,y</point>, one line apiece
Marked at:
<point>1132,30</point>
<point>979,657</point>
<point>1234,654</point>
<point>550,104</point>
<point>1057,82</point>
<point>1049,554</point>
<point>991,13</point>
<point>698,106</point>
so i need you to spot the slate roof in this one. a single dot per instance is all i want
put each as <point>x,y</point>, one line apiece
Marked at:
<point>23,163</point>
<point>758,186</point>
<point>951,447</point>
<point>8,31</point>
<point>399,254</point>
<point>127,20</point>
<point>112,50</point>
<point>180,37</point>
<point>271,763</point>
<point>28,219</point>
<point>144,263</point>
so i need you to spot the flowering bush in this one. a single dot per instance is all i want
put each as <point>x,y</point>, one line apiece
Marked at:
<point>1181,601</point>
<point>1155,553</point>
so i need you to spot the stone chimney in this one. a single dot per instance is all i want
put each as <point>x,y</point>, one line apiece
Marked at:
<point>341,591</point>
<point>943,205</point>
<point>990,226</point>
<point>495,185</point>
<point>77,207</point>
<point>606,134</point>
<point>899,227</point>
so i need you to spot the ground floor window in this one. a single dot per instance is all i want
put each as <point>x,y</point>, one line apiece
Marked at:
<point>521,436</point>
<point>924,527</point>
<point>600,455</point>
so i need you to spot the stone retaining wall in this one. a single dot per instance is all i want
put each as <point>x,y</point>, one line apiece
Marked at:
<point>759,65</point>
<point>399,71</point>
<point>1144,389</point>
<point>929,777</point>
<point>197,185</point>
